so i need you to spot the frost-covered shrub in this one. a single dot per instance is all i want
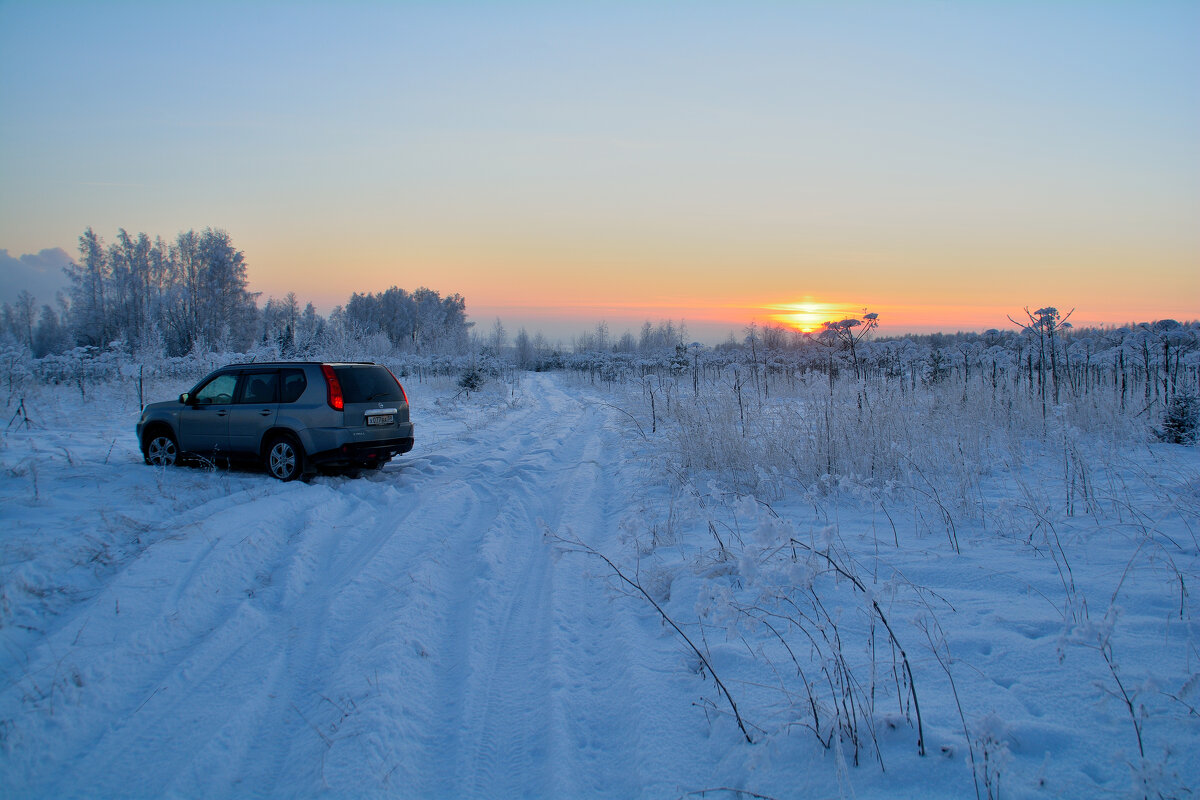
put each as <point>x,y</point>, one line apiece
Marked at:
<point>15,363</point>
<point>1181,422</point>
<point>472,379</point>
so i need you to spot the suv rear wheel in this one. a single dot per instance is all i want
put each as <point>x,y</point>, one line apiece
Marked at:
<point>285,459</point>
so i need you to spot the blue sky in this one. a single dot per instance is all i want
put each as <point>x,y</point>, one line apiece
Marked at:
<point>942,161</point>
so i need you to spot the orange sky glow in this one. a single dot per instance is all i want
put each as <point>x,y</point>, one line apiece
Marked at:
<point>560,165</point>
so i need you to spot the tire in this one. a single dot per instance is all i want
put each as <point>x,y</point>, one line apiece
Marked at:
<point>285,459</point>
<point>160,448</point>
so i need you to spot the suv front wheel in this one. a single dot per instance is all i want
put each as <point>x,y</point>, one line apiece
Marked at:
<point>160,448</point>
<point>285,459</point>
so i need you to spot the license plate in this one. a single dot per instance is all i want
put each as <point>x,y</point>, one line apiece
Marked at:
<point>380,419</point>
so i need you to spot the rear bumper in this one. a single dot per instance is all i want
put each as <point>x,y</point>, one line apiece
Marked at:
<point>354,453</point>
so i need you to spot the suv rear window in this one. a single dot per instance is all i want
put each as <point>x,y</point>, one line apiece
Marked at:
<point>367,384</point>
<point>294,384</point>
<point>260,387</point>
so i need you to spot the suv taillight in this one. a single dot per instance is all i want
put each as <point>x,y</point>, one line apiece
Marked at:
<point>333,389</point>
<point>400,385</point>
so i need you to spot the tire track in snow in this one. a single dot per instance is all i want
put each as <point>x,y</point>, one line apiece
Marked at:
<point>484,728</point>
<point>511,695</point>
<point>476,690</point>
<point>508,735</point>
<point>411,633</point>
<point>555,721</point>
<point>244,642</point>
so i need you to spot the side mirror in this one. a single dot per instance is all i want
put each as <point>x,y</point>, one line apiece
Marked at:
<point>183,398</point>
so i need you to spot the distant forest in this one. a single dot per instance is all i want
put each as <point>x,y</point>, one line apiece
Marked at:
<point>171,298</point>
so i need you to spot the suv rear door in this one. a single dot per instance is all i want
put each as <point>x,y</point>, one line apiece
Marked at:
<point>374,402</point>
<point>253,413</point>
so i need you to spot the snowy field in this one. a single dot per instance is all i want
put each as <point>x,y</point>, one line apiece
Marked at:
<point>563,592</point>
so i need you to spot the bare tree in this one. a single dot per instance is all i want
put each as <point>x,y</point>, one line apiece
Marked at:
<point>850,332</point>
<point>23,313</point>
<point>1046,324</point>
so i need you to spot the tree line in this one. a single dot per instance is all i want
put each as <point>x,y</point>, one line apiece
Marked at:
<point>191,294</point>
<point>1139,366</point>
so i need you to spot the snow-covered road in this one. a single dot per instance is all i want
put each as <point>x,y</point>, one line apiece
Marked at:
<point>419,632</point>
<point>436,629</point>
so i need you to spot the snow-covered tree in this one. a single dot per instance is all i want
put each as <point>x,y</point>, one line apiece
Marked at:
<point>89,311</point>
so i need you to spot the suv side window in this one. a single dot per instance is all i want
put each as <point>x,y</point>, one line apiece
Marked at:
<point>260,387</point>
<point>294,384</point>
<point>218,391</point>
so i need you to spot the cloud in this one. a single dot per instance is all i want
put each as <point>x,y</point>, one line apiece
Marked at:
<point>41,275</point>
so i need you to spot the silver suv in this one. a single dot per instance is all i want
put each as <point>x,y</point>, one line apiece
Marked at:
<point>292,417</point>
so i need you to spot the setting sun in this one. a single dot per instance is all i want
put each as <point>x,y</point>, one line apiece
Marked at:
<point>807,316</point>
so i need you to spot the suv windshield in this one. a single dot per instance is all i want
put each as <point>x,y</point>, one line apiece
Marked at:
<point>367,384</point>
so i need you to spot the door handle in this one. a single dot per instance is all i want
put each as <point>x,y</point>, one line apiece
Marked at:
<point>222,413</point>
<point>266,412</point>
